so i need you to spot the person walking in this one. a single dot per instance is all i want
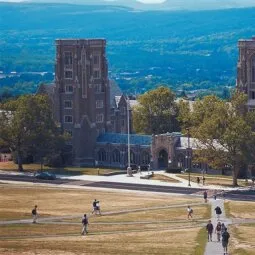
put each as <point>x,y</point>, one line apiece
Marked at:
<point>34,214</point>
<point>85,224</point>
<point>190,212</point>
<point>205,196</point>
<point>225,238</point>
<point>218,212</point>
<point>209,228</point>
<point>223,227</point>
<point>198,180</point>
<point>218,231</point>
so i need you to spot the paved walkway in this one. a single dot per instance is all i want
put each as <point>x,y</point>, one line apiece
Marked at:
<point>215,247</point>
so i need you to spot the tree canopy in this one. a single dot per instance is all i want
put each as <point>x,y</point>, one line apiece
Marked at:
<point>27,126</point>
<point>225,131</point>
<point>156,112</point>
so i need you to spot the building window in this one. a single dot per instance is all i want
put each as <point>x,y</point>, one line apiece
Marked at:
<point>69,89</point>
<point>101,155</point>
<point>252,94</point>
<point>145,158</point>
<point>99,104</point>
<point>99,118</point>
<point>253,69</point>
<point>68,58</point>
<point>68,104</point>
<point>99,88</point>
<point>68,74</point>
<point>132,157</point>
<point>96,60</point>
<point>96,74</point>
<point>116,156</point>
<point>68,119</point>
<point>123,110</point>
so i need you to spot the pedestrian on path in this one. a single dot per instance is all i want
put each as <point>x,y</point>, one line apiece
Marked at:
<point>85,224</point>
<point>218,231</point>
<point>190,212</point>
<point>198,180</point>
<point>225,238</point>
<point>205,196</point>
<point>209,228</point>
<point>223,227</point>
<point>218,212</point>
<point>215,195</point>
<point>34,214</point>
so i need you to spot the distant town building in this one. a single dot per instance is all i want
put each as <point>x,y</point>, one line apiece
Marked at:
<point>246,70</point>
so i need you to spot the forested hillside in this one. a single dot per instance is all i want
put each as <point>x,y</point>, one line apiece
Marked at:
<point>190,50</point>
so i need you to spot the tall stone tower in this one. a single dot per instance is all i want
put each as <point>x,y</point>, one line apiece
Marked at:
<point>246,70</point>
<point>81,97</point>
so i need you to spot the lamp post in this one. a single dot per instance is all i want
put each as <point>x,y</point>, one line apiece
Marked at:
<point>188,155</point>
<point>129,170</point>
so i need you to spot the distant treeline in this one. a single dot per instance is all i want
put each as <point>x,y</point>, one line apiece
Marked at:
<point>185,50</point>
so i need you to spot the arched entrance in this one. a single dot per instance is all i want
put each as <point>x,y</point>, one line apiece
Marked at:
<point>162,159</point>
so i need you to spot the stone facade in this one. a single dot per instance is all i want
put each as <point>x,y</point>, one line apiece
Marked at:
<point>246,70</point>
<point>81,96</point>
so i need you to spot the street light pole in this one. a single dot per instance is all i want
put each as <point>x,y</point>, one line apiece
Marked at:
<point>129,170</point>
<point>188,154</point>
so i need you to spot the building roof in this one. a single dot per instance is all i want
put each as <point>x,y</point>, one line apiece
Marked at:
<point>116,138</point>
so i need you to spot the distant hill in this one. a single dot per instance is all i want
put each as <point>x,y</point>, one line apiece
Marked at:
<point>185,49</point>
<point>167,5</point>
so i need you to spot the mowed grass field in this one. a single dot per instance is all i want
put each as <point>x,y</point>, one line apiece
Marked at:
<point>213,179</point>
<point>242,241</point>
<point>131,222</point>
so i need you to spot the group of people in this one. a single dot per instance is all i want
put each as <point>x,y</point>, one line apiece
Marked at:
<point>221,232</point>
<point>85,222</point>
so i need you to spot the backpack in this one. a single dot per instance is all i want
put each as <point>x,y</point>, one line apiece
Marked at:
<point>225,236</point>
<point>33,211</point>
<point>191,210</point>
<point>219,211</point>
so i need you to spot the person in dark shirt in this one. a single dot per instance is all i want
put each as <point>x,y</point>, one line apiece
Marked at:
<point>225,238</point>
<point>34,214</point>
<point>209,228</point>
<point>85,224</point>
<point>205,196</point>
<point>218,211</point>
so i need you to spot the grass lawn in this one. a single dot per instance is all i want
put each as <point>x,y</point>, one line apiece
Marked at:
<point>161,177</point>
<point>160,231</point>
<point>242,240</point>
<point>240,209</point>
<point>10,166</point>
<point>168,242</point>
<point>213,180</point>
<point>18,201</point>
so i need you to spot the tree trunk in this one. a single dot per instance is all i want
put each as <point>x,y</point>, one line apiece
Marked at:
<point>235,172</point>
<point>19,159</point>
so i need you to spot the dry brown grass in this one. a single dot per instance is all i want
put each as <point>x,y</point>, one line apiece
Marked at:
<point>240,209</point>
<point>242,240</point>
<point>18,201</point>
<point>170,242</point>
<point>161,177</point>
<point>10,166</point>
<point>213,180</point>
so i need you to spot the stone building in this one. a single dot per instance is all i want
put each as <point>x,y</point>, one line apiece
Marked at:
<point>246,70</point>
<point>93,111</point>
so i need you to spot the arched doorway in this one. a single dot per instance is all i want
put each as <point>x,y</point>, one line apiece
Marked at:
<point>162,159</point>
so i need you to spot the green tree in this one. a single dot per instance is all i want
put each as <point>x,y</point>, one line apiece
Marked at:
<point>27,125</point>
<point>224,131</point>
<point>156,112</point>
